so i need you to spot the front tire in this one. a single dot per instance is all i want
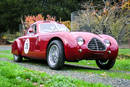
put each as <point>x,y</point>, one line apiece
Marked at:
<point>105,64</point>
<point>55,55</point>
<point>18,58</point>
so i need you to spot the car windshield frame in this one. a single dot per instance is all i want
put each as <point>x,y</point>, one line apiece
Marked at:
<point>52,27</point>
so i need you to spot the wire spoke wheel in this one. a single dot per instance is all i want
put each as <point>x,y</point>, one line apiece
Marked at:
<point>55,55</point>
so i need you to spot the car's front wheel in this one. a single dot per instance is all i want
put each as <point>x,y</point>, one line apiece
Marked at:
<point>17,58</point>
<point>55,54</point>
<point>105,64</point>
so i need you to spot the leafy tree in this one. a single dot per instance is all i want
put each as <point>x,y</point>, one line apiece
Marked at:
<point>12,10</point>
<point>61,8</point>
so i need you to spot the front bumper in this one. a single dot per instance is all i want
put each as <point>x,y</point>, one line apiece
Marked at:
<point>83,52</point>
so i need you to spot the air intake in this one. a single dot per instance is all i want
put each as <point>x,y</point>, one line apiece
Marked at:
<point>96,45</point>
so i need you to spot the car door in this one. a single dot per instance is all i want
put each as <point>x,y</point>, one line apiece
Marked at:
<point>28,42</point>
<point>34,41</point>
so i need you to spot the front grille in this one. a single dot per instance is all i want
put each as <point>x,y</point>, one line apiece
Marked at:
<point>96,45</point>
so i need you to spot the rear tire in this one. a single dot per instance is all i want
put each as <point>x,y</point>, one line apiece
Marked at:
<point>55,55</point>
<point>105,64</point>
<point>18,58</point>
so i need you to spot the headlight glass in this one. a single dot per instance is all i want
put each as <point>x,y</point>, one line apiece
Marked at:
<point>107,43</point>
<point>80,41</point>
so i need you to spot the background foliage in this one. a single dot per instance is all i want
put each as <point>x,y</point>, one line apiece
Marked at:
<point>13,13</point>
<point>12,10</point>
<point>113,19</point>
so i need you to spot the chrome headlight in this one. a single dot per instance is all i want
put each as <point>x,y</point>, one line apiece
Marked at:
<point>80,41</point>
<point>107,43</point>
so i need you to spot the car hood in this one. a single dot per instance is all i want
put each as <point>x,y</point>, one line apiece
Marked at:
<point>85,35</point>
<point>74,35</point>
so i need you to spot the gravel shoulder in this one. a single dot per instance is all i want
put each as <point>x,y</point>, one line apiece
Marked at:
<point>5,47</point>
<point>94,78</point>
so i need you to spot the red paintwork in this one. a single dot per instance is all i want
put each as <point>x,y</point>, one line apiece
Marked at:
<point>40,41</point>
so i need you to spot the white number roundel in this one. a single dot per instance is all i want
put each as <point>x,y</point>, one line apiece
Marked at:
<point>26,46</point>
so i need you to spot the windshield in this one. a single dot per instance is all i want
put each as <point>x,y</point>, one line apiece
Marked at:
<point>52,27</point>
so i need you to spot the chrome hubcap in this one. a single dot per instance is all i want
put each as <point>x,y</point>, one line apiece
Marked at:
<point>15,57</point>
<point>103,62</point>
<point>53,55</point>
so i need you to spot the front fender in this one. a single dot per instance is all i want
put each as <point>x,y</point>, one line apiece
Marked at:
<point>113,47</point>
<point>69,43</point>
<point>70,47</point>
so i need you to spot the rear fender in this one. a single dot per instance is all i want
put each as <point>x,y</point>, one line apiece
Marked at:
<point>16,47</point>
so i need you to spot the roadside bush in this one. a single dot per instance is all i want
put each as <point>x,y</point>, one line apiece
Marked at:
<point>31,19</point>
<point>6,38</point>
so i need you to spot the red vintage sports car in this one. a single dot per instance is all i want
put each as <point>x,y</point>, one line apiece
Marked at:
<point>54,43</point>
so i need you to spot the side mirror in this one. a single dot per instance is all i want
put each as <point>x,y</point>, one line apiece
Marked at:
<point>31,31</point>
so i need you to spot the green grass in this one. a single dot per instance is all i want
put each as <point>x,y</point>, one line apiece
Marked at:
<point>85,62</point>
<point>124,52</point>
<point>6,54</point>
<point>5,51</point>
<point>13,75</point>
<point>9,56</point>
<point>122,64</point>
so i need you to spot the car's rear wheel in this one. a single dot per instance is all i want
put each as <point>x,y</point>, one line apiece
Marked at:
<point>55,55</point>
<point>18,58</point>
<point>105,64</point>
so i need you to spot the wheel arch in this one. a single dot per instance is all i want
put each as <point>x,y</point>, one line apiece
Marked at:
<point>55,38</point>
